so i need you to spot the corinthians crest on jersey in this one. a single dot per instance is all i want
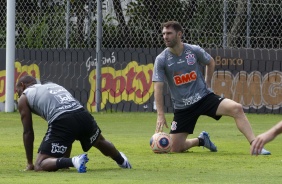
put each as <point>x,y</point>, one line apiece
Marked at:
<point>190,59</point>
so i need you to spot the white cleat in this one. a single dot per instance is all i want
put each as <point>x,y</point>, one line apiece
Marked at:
<point>79,162</point>
<point>265,152</point>
<point>126,164</point>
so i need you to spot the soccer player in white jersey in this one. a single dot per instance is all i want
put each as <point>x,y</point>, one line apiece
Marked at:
<point>180,66</point>
<point>67,121</point>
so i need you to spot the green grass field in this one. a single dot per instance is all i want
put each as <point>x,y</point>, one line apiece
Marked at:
<point>131,132</point>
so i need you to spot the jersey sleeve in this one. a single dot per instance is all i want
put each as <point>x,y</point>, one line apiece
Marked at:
<point>202,55</point>
<point>159,69</point>
<point>30,95</point>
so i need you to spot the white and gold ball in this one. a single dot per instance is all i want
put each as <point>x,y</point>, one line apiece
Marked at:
<point>161,142</point>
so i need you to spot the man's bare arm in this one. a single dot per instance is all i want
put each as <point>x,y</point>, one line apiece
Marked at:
<point>209,72</point>
<point>28,133</point>
<point>158,94</point>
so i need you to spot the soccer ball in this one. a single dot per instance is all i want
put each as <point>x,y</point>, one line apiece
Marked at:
<point>160,142</point>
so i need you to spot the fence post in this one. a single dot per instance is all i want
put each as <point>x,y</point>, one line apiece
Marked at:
<point>224,41</point>
<point>248,24</point>
<point>67,23</point>
<point>88,26</point>
<point>10,56</point>
<point>98,92</point>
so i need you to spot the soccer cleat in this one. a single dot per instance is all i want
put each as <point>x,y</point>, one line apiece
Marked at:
<point>79,162</point>
<point>126,164</point>
<point>207,142</point>
<point>265,152</point>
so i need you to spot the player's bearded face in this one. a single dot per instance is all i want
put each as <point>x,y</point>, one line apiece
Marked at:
<point>170,37</point>
<point>172,42</point>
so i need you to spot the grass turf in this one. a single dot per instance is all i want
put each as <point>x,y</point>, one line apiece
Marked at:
<point>130,133</point>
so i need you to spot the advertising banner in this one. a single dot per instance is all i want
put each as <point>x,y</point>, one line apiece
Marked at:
<point>251,77</point>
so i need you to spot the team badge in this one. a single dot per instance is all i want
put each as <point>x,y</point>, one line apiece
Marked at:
<point>190,59</point>
<point>173,125</point>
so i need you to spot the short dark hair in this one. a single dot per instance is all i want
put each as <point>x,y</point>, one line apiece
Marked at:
<point>27,79</point>
<point>174,24</point>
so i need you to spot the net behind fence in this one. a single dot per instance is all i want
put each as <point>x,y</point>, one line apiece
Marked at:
<point>56,41</point>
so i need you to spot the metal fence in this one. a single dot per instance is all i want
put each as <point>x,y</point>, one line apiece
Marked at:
<point>136,23</point>
<point>57,35</point>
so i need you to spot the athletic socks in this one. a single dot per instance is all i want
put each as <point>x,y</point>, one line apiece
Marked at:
<point>201,142</point>
<point>64,163</point>
<point>67,162</point>
<point>119,159</point>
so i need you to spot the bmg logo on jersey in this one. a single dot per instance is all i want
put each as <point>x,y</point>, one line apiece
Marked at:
<point>185,78</point>
<point>63,98</point>
<point>56,148</point>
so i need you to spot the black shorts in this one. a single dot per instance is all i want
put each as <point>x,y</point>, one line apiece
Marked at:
<point>185,119</point>
<point>68,127</point>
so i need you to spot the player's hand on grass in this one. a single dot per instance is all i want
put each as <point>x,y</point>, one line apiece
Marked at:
<point>29,167</point>
<point>259,142</point>
<point>256,146</point>
<point>161,122</point>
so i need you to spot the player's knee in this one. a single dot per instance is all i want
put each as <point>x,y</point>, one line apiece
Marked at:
<point>237,109</point>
